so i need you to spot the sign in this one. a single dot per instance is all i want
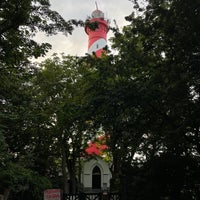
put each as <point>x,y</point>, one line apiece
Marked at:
<point>52,194</point>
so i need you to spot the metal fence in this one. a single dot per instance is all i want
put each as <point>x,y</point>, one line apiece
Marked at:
<point>91,196</point>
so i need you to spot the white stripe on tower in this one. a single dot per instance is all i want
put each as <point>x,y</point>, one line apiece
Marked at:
<point>97,45</point>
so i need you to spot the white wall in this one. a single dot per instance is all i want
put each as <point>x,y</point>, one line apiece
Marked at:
<point>87,172</point>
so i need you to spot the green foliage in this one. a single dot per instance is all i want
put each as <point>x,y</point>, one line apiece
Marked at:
<point>161,59</point>
<point>20,21</point>
<point>21,181</point>
<point>60,93</point>
<point>165,176</point>
<point>3,151</point>
<point>147,97</point>
<point>25,136</point>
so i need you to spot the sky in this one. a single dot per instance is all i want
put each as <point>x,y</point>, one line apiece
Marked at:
<point>76,44</point>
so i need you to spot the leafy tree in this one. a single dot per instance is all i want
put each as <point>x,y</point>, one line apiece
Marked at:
<point>161,66</point>
<point>163,177</point>
<point>23,182</point>
<point>60,91</point>
<point>98,147</point>
<point>19,22</point>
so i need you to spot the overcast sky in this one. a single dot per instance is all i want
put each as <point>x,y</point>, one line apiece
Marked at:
<point>76,44</point>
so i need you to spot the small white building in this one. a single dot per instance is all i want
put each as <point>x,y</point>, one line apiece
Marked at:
<point>96,175</point>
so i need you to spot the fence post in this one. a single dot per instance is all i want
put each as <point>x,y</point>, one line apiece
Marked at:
<point>82,196</point>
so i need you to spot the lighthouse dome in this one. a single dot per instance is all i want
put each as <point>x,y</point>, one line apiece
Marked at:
<point>97,14</point>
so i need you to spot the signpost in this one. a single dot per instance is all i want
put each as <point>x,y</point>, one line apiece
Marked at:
<point>52,194</point>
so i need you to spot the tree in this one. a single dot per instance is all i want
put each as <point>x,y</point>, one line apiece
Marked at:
<point>24,183</point>
<point>171,62</point>
<point>60,91</point>
<point>161,55</point>
<point>98,147</point>
<point>19,22</point>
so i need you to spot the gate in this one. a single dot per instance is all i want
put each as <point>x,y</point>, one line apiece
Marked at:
<point>113,196</point>
<point>91,196</point>
<point>83,196</point>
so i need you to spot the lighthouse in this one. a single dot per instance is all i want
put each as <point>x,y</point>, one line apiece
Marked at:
<point>97,39</point>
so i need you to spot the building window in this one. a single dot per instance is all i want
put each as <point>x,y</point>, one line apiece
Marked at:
<point>96,178</point>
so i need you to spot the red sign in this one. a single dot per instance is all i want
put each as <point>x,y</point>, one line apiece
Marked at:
<point>52,194</point>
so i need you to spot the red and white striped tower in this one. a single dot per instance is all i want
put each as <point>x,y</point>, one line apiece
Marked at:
<point>97,39</point>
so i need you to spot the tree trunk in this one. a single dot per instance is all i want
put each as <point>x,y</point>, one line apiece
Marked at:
<point>72,175</point>
<point>64,169</point>
<point>6,193</point>
<point>73,182</point>
<point>115,181</point>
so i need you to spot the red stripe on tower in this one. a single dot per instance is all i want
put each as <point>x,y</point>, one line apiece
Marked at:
<point>97,39</point>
